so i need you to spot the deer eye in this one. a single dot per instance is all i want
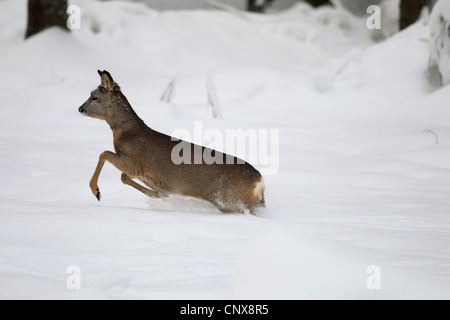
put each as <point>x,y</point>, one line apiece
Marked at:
<point>94,98</point>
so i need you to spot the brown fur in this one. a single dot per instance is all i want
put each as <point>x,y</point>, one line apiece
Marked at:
<point>145,154</point>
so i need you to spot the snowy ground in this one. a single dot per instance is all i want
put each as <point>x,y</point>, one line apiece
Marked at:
<point>363,175</point>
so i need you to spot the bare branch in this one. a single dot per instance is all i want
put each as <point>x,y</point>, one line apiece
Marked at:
<point>169,92</point>
<point>230,9</point>
<point>213,99</point>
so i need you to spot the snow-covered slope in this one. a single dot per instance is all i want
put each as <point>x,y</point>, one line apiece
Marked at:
<point>363,175</point>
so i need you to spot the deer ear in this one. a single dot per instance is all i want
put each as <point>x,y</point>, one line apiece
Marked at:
<point>107,80</point>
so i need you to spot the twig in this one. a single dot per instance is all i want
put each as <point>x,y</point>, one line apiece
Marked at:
<point>433,133</point>
<point>169,92</point>
<point>228,8</point>
<point>213,99</point>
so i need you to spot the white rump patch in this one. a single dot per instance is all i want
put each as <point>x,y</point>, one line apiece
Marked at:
<point>259,189</point>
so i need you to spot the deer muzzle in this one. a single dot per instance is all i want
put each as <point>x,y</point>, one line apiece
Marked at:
<point>81,110</point>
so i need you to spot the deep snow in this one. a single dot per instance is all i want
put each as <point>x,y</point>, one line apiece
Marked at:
<point>363,176</point>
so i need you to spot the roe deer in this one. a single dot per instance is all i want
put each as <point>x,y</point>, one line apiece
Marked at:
<point>146,155</point>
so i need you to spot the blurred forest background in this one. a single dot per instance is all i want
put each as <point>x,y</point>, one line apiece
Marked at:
<point>45,13</point>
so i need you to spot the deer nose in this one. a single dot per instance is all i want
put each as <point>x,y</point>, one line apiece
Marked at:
<point>81,110</point>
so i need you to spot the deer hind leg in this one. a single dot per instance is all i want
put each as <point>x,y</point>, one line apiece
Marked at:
<point>233,207</point>
<point>150,193</point>
<point>236,209</point>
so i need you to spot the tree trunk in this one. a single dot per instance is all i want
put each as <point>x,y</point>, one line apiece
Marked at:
<point>46,13</point>
<point>256,5</point>
<point>410,11</point>
<point>316,3</point>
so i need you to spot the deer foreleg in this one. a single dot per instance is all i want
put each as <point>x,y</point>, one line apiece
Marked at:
<point>120,164</point>
<point>115,160</point>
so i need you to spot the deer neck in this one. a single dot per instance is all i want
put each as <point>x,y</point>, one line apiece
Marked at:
<point>124,120</point>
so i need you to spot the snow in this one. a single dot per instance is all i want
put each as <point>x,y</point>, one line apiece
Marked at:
<point>362,180</point>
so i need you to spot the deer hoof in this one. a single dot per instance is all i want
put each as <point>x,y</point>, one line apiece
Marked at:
<point>98,195</point>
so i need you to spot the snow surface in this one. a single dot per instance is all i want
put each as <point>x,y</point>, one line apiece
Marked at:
<point>364,158</point>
